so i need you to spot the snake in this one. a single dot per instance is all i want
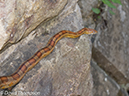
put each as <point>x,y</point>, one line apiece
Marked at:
<point>7,82</point>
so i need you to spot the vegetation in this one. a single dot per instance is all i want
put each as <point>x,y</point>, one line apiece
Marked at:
<point>109,4</point>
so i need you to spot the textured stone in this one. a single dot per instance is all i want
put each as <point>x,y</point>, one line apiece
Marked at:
<point>111,48</point>
<point>108,67</point>
<point>103,84</point>
<point>66,71</point>
<point>19,17</point>
<point>87,13</point>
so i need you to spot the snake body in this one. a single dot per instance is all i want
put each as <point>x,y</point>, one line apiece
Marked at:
<point>11,80</point>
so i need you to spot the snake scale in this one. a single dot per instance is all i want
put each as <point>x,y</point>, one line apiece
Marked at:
<point>7,82</point>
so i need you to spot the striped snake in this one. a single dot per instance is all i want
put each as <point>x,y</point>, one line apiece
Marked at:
<point>7,82</point>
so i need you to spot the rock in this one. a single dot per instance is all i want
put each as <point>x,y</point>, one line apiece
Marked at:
<point>86,7</point>
<point>103,84</point>
<point>19,18</point>
<point>66,71</point>
<point>111,48</point>
<point>108,67</point>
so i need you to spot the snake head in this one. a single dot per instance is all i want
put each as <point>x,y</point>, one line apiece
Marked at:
<point>90,31</point>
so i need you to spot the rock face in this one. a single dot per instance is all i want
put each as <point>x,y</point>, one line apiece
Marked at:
<point>86,11</point>
<point>111,48</point>
<point>18,18</point>
<point>103,84</point>
<point>110,68</point>
<point>66,71</point>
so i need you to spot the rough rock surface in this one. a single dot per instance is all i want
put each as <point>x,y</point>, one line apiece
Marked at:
<point>113,43</point>
<point>111,48</point>
<point>19,17</point>
<point>86,11</point>
<point>103,84</point>
<point>66,71</point>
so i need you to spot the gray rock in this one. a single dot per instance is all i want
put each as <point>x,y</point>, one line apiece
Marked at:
<point>103,84</point>
<point>110,50</point>
<point>66,71</point>
<point>18,18</point>
<point>111,46</point>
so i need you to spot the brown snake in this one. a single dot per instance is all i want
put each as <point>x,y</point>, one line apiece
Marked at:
<point>9,81</point>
